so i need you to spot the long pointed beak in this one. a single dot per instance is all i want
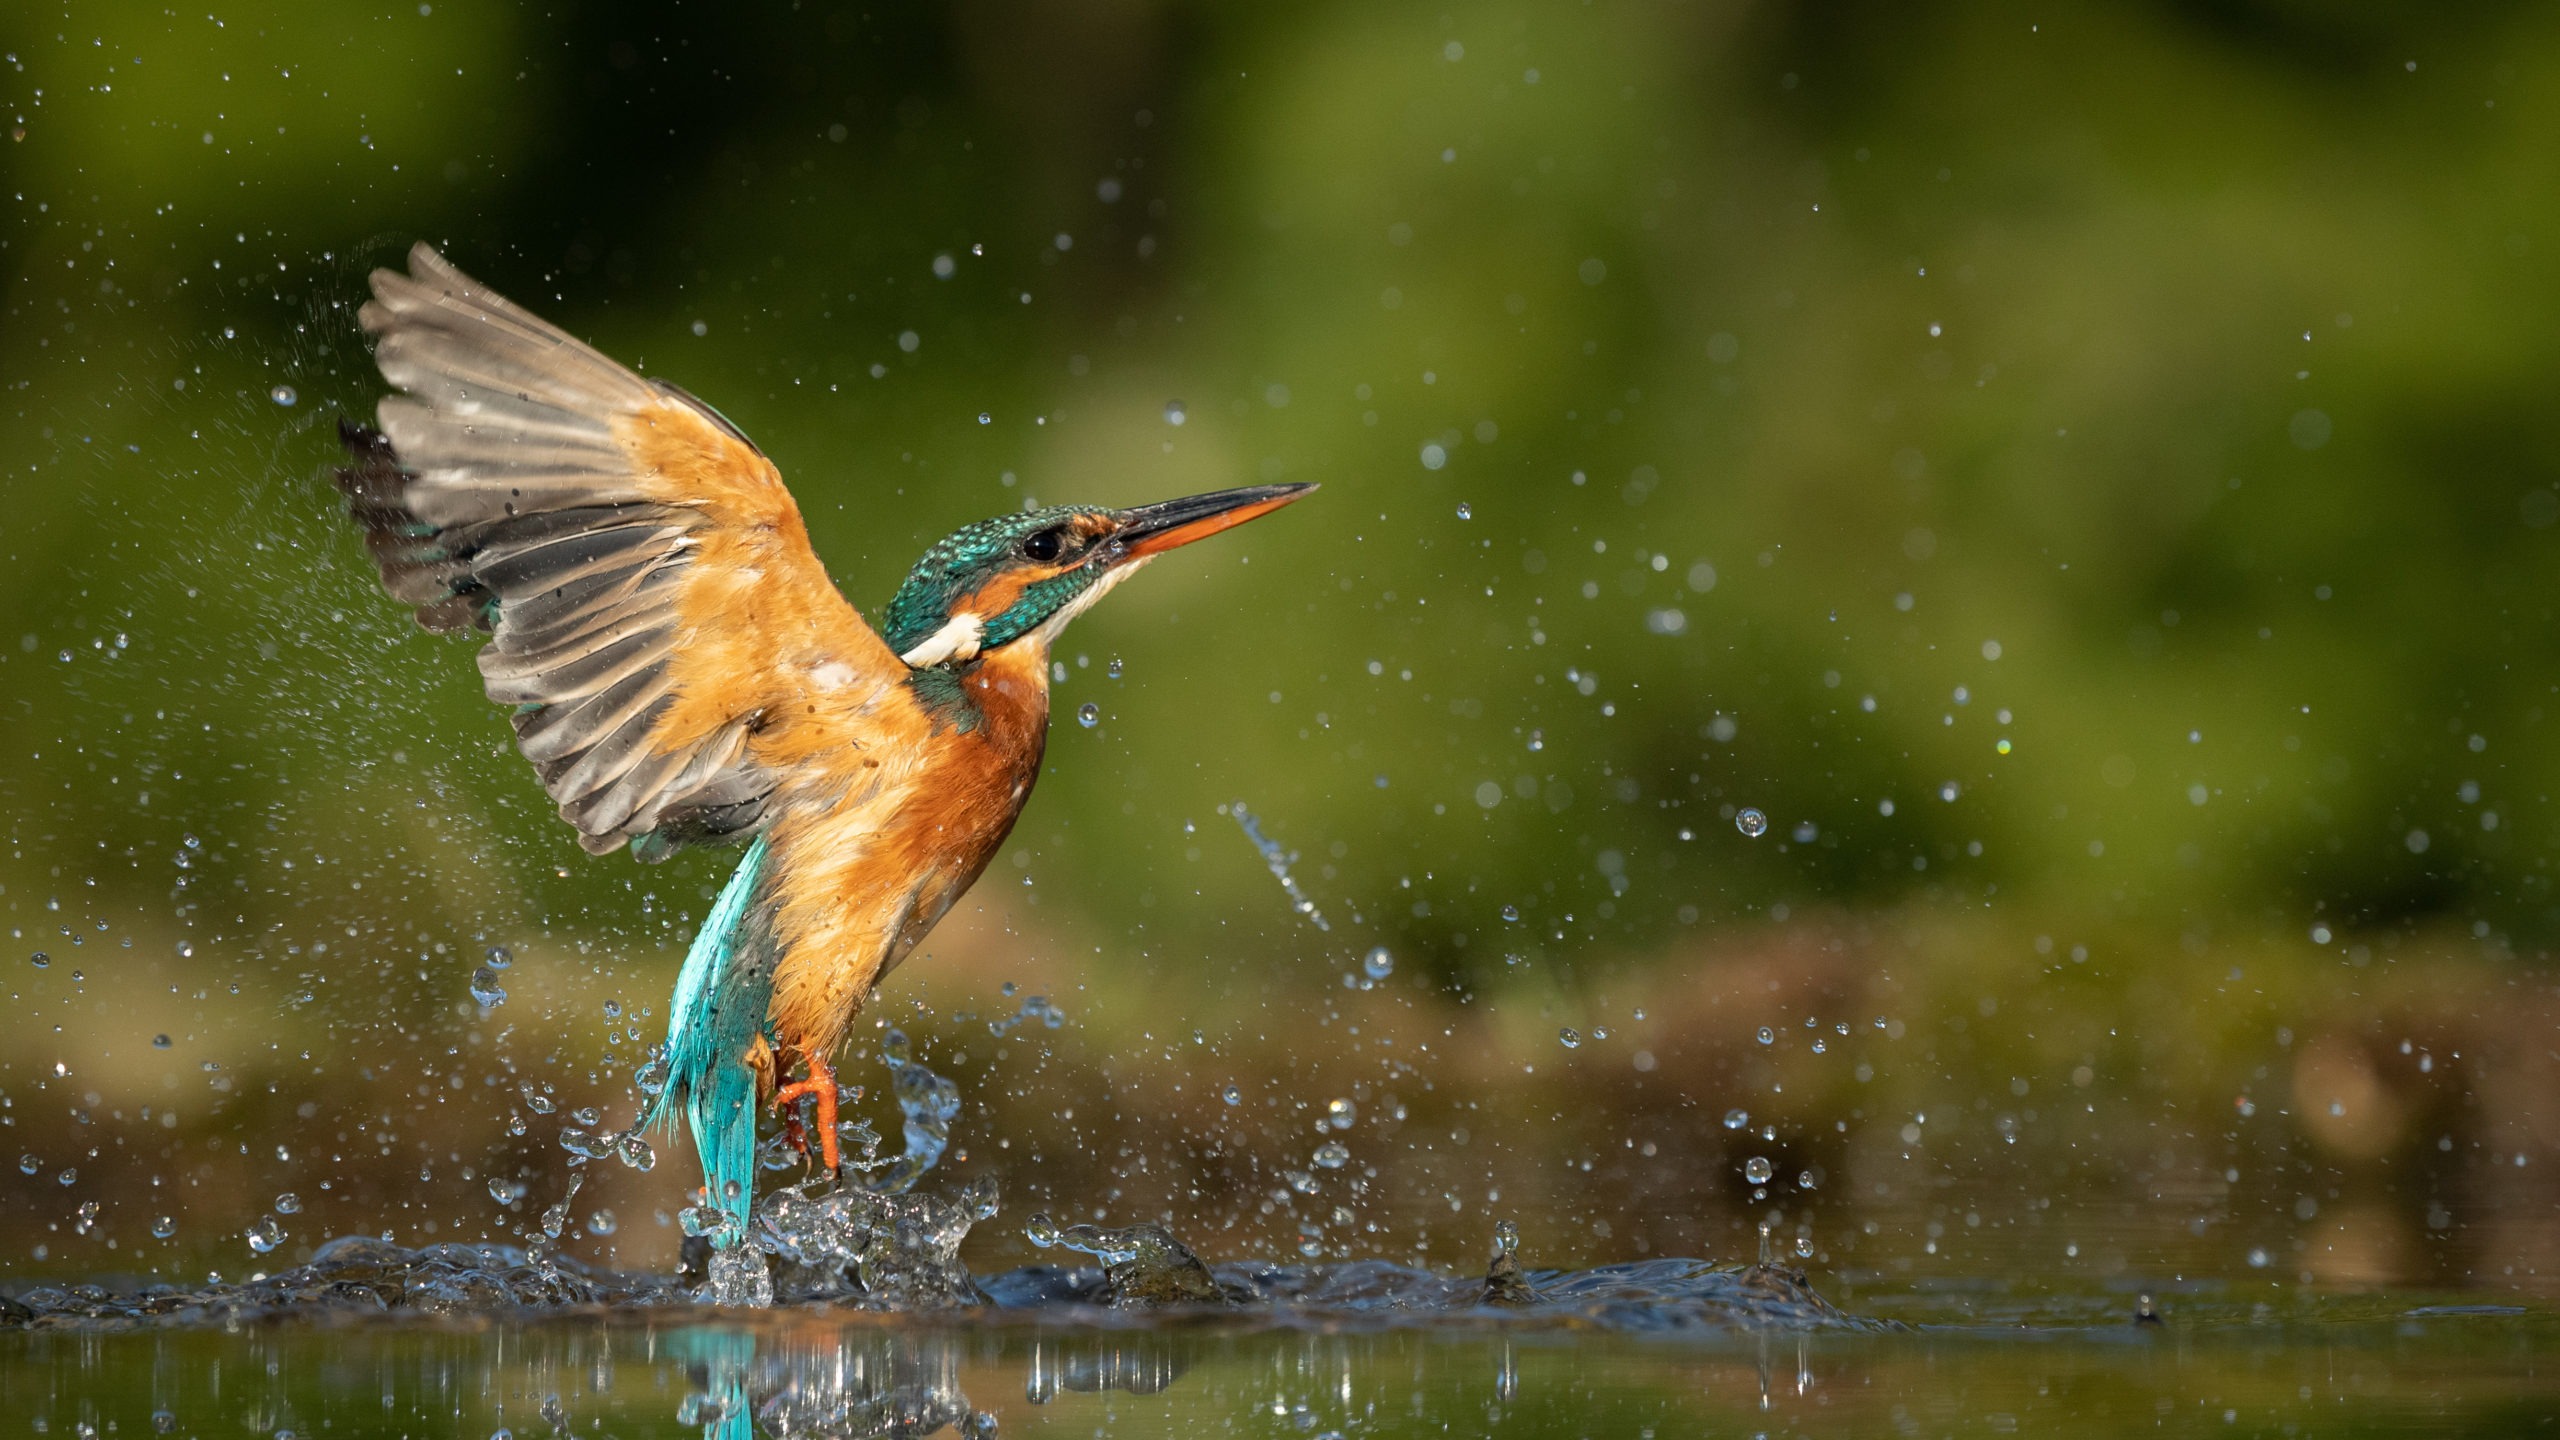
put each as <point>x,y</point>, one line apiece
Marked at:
<point>1154,529</point>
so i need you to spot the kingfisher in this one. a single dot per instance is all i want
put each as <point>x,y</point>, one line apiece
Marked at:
<point>683,673</point>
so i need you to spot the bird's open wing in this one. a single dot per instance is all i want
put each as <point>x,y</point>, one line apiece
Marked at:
<point>654,607</point>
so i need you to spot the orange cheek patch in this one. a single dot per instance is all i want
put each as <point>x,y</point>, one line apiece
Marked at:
<point>999,595</point>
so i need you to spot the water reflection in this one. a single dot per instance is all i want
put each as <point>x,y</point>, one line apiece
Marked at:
<point>1141,1364</point>
<point>824,1382</point>
<point>1993,1364</point>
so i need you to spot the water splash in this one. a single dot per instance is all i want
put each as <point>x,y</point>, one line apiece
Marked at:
<point>930,1103</point>
<point>857,1244</point>
<point>1035,1007</point>
<point>1504,1284</point>
<point>875,1240</point>
<point>363,1275</point>
<point>1142,1265</point>
<point>1279,859</point>
<point>867,1238</point>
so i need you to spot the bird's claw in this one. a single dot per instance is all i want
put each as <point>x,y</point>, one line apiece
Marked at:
<point>820,1086</point>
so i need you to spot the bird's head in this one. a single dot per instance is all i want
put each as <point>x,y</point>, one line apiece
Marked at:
<point>1023,577</point>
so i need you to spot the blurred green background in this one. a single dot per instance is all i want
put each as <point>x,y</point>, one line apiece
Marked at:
<point>2088,479</point>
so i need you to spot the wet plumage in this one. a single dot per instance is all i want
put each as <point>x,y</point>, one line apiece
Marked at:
<point>683,673</point>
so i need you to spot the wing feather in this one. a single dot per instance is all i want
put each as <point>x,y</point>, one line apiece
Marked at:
<point>655,613</point>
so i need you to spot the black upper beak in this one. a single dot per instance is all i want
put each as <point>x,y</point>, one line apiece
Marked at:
<point>1154,529</point>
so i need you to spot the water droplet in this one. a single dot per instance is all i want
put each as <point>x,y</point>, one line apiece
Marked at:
<point>28,1164</point>
<point>1112,669</point>
<point>1331,1155</point>
<point>500,957</point>
<point>1232,1095</point>
<point>159,1042</point>
<point>266,1235</point>
<point>1571,1038</point>
<point>1174,413</point>
<point>1040,1230</point>
<point>283,395</point>
<point>1464,513</point>
<point>40,960</point>
<point>1506,1237</point>
<point>1768,1036</point>
<point>1805,1180</point>
<point>1341,1113</point>
<point>985,419</point>
<point>1736,1119</point>
<point>1380,964</point>
<point>1757,1170</point>
<point>1751,822</point>
<point>1088,714</point>
<point>485,988</point>
<point>164,1227</point>
<point>288,1203</point>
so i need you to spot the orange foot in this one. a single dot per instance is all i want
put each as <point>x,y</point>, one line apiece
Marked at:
<point>822,1085</point>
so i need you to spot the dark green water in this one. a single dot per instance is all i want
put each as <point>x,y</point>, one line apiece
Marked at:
<point>1962,1363</point>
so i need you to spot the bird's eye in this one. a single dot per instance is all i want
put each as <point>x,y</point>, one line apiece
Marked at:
<point>1042,546</point>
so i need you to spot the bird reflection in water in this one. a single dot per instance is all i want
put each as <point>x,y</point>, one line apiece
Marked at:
<point>836,1383</point>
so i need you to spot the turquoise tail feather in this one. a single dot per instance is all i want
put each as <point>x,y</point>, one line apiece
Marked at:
<point>712,1023</point>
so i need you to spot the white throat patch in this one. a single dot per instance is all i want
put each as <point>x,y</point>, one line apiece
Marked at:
<point>956,640</point>
<point>1047,634</point>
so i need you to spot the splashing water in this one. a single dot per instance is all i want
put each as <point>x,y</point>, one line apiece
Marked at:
<point>1141,1265</point>
<point>1036,1007</point>
<point>1279,859</point>
<point>868,1240</point>
<point>930,1103</point>
<point>1504,1284</point>
<point>881,1244</point>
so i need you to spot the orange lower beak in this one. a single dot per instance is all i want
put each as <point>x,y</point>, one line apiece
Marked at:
<point>1154,529</point>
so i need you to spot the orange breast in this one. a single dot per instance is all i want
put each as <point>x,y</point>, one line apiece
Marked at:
<point>863,873</point>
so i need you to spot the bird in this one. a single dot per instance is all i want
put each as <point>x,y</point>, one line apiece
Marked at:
<point>682,673</point>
